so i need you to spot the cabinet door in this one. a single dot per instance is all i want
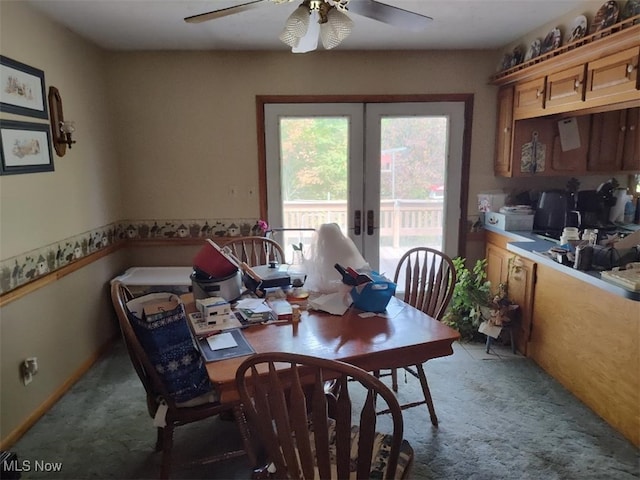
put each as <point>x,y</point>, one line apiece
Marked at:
<point>607,140</point>
<point>519,275</point>
<point>613,78</point>
<point>565,89</point>
<point>521,284</point>
<point>533,140</point>
<point>504,132</point>
<point>497,265</point>
<point>631,147</point>
<point>529,99</point>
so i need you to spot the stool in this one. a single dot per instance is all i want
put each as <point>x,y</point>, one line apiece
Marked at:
<point>490,339</point>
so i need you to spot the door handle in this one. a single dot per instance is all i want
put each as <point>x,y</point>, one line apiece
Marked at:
<point>369,222</point>
<point>357,222</point>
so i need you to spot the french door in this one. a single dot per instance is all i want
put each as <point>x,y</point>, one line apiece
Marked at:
<point>388,173</point>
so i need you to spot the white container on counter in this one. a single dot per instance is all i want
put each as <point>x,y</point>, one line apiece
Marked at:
<point>509,221</point>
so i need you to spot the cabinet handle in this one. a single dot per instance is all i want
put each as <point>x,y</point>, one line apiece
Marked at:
<point>539,92</point>
<point>623,128</point>
<point>506,129</point>
<point>630,68</point>
<point>577,84</point>
<point>357,222</point>
<point>632,128</point>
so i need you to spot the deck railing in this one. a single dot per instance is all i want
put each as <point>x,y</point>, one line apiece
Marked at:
<point>399,219</point>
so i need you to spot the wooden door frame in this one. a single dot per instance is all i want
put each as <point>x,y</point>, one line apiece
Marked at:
<point>466,98</point>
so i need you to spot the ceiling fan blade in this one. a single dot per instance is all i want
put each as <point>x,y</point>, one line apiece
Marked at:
<point>389,14</point>
<point>223,12</point>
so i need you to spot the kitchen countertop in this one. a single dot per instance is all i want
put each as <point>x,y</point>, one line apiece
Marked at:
<point>527,244</point>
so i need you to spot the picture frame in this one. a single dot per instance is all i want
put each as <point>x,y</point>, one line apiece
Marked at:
<point>25,147</point>
<point>22,89</point>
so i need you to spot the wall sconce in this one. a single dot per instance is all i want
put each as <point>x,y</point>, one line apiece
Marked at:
<point>60,129</point>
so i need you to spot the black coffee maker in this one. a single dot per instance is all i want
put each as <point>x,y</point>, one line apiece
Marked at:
<point>595,205</point>
<point>554,211</point>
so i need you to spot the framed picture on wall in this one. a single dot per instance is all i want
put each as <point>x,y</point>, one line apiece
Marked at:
<point>25,147</point>
<point>22,89</point>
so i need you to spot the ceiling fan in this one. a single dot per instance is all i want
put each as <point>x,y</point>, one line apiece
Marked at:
<point>324,19</point>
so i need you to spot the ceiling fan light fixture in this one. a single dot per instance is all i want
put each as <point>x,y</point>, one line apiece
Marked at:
<point>296,26</point>
<point>337,27</point>
<point>309,41</point>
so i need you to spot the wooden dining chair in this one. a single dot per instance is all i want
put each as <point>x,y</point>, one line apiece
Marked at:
<point>429,278</point>
<point>158,396</point>
<point>285,399</point>
<point>256,250</point>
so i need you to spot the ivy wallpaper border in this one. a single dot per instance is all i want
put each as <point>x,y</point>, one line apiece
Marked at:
<point>24,268</point>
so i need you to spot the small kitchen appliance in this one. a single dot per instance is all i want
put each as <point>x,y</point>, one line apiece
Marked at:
<point>551,212</point>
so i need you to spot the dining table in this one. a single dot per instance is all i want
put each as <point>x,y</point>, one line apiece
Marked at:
<point>400,336</point>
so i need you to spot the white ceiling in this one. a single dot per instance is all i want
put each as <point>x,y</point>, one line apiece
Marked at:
<point>159,24</point>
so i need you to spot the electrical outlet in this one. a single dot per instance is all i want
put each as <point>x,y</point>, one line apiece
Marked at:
<point>28,369</point>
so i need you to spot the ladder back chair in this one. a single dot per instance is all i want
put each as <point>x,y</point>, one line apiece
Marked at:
<point>429,278</point>
<point>284,397</point>
<point>158,396</point>
<point>256,250</point>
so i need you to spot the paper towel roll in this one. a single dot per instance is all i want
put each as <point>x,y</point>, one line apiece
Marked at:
<point>617,211</point>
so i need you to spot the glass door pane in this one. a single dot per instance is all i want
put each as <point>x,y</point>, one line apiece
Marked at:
<point>417,149</point>
<point>311,147</point>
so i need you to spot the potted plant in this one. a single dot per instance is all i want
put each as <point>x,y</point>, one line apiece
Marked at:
<point>471,294</point>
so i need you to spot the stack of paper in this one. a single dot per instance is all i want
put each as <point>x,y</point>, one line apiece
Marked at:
<point>254,310</point>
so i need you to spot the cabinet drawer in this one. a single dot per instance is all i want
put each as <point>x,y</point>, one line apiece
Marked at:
<point>529,99</point>
<point>565,88</point>
<point>614,78</point>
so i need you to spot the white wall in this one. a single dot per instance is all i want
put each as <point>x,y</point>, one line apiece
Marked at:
<point>66,322</point>
<point>187,124</point>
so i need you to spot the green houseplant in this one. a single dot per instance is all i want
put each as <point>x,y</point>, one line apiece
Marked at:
<point>471,294</point>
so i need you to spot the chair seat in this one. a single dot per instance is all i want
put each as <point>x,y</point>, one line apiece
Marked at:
<point>379,455</point>
<point>211,397</point>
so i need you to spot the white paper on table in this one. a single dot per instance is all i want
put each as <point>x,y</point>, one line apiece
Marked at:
<point>256,305</point>
<point>333,303</point>
<point>221,341</point>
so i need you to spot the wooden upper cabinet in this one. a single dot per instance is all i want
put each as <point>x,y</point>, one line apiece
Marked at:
<point>606,141</point>
<point>631,143</point>
<point>565,89</point>
<point>573,161</point>
<point>529,99</point>
<point>504,132</point>
<point>613,78</point>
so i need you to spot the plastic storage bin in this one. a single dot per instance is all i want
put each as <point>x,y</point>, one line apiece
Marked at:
<point>143,280</point>
<point>373,296</point>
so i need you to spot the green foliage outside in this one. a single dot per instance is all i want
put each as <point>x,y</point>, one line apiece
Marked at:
<point>314,157</point>
<point>471,294</point>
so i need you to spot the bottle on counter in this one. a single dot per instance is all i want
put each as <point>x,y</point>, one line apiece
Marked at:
<point>629,210</point>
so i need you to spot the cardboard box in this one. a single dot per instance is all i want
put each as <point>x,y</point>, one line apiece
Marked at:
<point>213,309</point>
<point>491,201</point>
<point>509,221</point>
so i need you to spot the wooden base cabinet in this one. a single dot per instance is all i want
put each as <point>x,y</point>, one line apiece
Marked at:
<point>589,340</point>
<point>520,275</point>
